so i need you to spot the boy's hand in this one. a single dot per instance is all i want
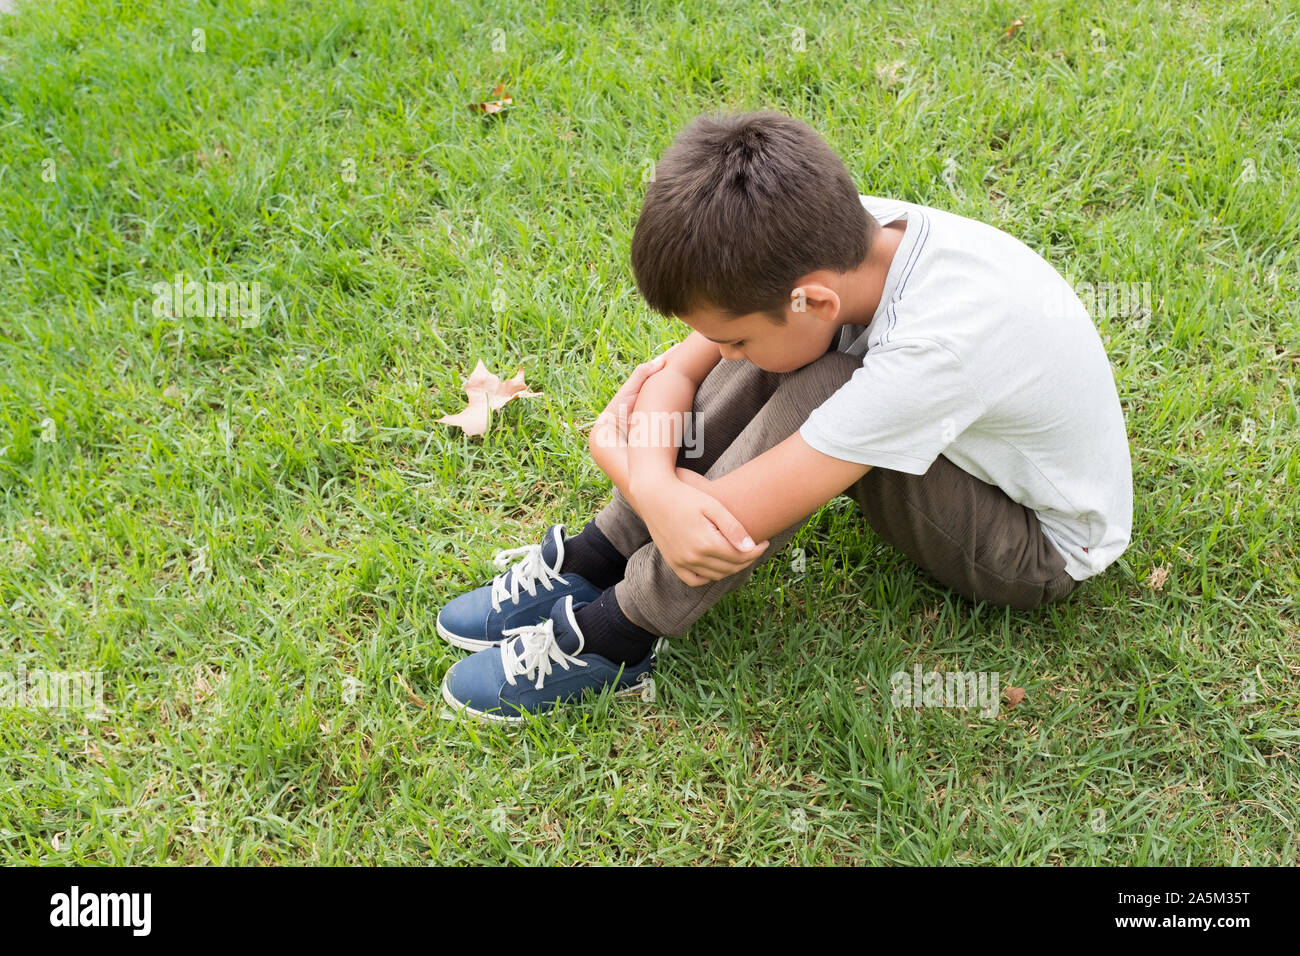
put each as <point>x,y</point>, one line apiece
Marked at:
<point>699,538</point>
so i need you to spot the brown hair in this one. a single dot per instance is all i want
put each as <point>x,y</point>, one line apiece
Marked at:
<point>740,208</point>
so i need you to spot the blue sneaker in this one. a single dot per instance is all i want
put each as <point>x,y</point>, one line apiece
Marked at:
<point>540,666</point>
<point>480,618</point>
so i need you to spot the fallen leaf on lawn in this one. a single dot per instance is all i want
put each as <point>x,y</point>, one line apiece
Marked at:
<point>499,102</point>
<point>1014,696</point>
<point>1156,580</point>
<point>1011,30</point>
<point>485,391</point>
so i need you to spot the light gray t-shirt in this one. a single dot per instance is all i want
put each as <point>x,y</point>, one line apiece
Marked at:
<point>980,351</point>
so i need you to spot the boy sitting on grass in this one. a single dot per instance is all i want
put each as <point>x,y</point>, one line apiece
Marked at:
<point>932,367</point>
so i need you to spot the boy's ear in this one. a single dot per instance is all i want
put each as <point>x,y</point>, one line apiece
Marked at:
<point>812,297</point>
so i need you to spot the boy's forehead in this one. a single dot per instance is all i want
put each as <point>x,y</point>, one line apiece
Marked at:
<point>715,326</point>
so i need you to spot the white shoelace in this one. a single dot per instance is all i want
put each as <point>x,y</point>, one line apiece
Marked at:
<point>526,574</point>
<point>539,652</point>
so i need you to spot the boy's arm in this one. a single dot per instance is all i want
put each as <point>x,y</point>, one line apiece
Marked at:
<point>666,383</point>
<point>695,533</point>
<point>671,390</point>
<point>780,487</point>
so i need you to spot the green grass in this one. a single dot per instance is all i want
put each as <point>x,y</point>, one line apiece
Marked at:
<point>250,530</point>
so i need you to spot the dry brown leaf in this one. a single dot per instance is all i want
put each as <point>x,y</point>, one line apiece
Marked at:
<point>1156,580</point>
<point>485,391</point>
<point>1011,30</point>
<point>496,105</point>
<point>1014,696</point>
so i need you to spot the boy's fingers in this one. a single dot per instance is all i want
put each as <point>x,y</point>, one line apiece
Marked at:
<point>632,387</point>
<point>731,529</point>
<point>646,369</point>
<point>641,372</point>
<point>724,566</point>
<point>718,573</point>
<point>717,561</point>
<point>703,567</point>
<point>690,577</point>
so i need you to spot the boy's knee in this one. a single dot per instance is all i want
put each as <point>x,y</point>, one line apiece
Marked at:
<point>823,377</point>
<point>838,366</point>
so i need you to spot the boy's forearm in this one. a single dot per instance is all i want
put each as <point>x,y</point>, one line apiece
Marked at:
<point>611,458</point>
<point>651,449</point>
<point>779,488</point>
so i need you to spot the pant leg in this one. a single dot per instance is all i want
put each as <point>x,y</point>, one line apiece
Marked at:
<point>728,398</point>
<point>651,594</point>
<point>968,534</point>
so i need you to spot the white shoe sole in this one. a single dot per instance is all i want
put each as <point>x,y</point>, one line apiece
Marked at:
<point>644,689</point>
<point>467,643</point>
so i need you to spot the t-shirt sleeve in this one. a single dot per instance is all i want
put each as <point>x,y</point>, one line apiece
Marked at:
<point>900,410</point>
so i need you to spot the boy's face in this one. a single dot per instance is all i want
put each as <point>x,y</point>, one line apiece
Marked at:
<point>804,338</point>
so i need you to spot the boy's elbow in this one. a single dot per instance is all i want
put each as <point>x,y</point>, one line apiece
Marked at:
<point>597,446</point>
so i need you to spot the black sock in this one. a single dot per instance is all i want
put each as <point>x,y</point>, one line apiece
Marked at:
<point>590,555</point>
<point>607,631</point>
